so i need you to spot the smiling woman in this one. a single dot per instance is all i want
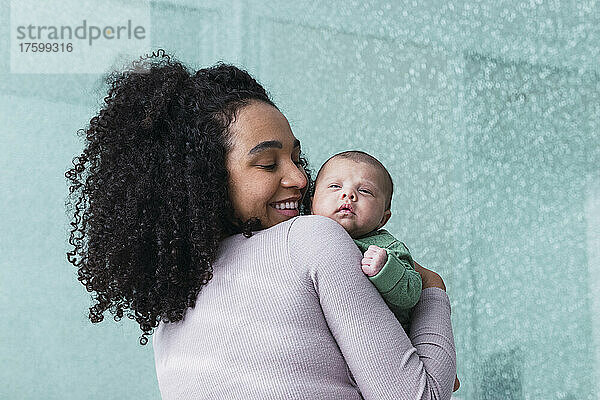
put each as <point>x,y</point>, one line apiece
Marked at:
<point>266,176</point>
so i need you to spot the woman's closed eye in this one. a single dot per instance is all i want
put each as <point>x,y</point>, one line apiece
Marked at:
<point>271,167</point>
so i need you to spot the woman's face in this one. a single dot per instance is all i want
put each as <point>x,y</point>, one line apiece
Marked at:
<point>266,180</point>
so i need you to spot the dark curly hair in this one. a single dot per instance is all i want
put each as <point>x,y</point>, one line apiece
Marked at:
<point>149,192</point>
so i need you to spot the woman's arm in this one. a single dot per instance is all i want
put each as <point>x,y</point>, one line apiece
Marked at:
<point>382,359</point>
<point>429,278</point>
<point>433,279</point>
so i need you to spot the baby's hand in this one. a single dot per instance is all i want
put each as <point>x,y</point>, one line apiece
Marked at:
<point>373,260</point>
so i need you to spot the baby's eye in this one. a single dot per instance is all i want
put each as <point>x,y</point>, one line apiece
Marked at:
<point>334,185</point>
<point>365,191</point>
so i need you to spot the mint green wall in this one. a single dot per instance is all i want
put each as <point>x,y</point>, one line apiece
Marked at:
<point>487,115</point>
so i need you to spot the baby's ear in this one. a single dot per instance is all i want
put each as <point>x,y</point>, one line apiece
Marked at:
<point>386,217</point>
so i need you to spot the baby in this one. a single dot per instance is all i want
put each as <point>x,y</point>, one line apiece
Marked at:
<point>355,190</point>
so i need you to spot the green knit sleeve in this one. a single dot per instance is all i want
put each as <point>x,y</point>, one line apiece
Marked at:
<point>398,282</point>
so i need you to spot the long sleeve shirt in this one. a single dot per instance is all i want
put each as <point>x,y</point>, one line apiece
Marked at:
<point>289,314</point>
<point>398,282</point>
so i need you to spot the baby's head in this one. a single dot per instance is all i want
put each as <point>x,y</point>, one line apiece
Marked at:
<point>354,189</point>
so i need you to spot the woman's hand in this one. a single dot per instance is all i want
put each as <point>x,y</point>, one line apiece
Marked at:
<point>429,278</point>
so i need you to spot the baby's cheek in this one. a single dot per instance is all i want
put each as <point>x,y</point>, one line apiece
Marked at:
<point>319,209</point>
<point>316,206</point>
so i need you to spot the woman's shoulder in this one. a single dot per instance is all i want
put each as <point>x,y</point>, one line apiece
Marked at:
<point>314,224</point>
<point>316,231</point>
<point>313,219</point>
<point>322,248</point>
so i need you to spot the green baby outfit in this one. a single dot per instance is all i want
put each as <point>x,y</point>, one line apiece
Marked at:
<point>398,282</point>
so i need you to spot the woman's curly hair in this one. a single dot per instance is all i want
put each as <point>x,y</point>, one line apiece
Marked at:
<point>149,191</point>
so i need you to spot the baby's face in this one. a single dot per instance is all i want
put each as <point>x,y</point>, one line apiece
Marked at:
<point>352,193</point>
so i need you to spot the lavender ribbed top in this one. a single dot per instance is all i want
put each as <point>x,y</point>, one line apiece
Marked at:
<point>289,314</point>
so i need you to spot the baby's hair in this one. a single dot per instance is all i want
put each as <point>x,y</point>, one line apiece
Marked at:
<point>360,156</point>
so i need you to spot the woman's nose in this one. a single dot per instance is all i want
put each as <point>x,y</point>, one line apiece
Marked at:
<point>295,177</point>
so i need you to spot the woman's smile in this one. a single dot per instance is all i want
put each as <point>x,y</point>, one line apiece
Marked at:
<point>287,209</point>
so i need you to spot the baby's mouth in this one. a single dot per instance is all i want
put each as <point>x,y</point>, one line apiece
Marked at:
<point>346,209</point>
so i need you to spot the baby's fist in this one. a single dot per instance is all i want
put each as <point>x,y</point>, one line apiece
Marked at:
<point>373,260</point>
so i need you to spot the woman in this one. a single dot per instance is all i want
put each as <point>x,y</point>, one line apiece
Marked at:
<point>189,219</point>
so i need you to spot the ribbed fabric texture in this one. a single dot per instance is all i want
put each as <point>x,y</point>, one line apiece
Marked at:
<point>289,314</point>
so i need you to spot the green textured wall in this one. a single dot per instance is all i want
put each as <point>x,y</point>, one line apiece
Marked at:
<point>487,115</point>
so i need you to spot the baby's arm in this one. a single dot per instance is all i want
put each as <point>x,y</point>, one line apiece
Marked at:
<point>392,272</point>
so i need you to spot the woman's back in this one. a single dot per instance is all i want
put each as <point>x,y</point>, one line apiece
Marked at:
<point>287,314</point>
